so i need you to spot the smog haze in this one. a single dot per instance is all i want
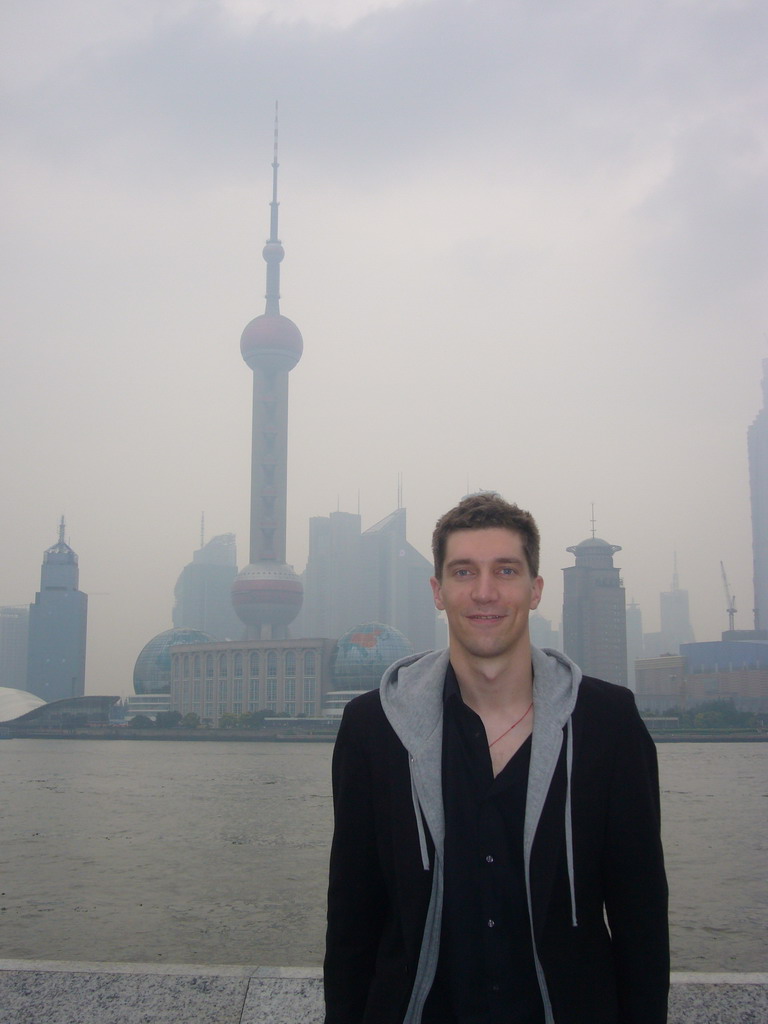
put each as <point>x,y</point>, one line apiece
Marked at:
<point>525,246</point>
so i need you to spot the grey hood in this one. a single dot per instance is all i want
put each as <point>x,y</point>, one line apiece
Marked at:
<point>412,698</point>
<point>411,693</point>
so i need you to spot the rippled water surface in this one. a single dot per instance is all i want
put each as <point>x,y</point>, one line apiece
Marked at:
<point>217,852</point>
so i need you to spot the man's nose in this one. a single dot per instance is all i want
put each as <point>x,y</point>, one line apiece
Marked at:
<point>485,588</point>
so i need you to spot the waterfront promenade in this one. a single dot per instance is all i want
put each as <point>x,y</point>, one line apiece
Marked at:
<point>58,992</point>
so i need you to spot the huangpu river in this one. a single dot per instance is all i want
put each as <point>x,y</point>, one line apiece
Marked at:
<point>217,853</point>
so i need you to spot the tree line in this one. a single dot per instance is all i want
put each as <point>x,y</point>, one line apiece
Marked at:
<point>717,714</point>
<point>175,720</point>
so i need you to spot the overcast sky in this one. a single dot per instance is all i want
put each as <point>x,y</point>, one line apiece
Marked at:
<point>526,245</point>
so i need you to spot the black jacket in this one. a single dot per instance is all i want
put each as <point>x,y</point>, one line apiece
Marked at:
<point>379,891</point>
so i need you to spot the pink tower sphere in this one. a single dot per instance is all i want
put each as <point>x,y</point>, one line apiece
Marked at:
<point>267,593</point>
<point>271,342</point>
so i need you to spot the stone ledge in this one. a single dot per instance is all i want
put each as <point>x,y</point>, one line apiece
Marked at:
<point>63,992</point>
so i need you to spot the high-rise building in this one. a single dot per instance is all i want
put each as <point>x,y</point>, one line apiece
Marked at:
<point>57,627</point>
<point>676,626</point>
<point>635,645</point>
<point>757,448</point>
<point>374,575</point>
<point>267,594</point>
<point>594,611</point>
<point>203,598</point>
<point>14,633</point>
<point>543,633</point>
<point>395,581</point>
<point>332,577</point>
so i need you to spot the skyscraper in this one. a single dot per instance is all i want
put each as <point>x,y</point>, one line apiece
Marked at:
<point>376,576</point>
<point>332,584</point>
<point>395,581</point>
<point>676,626</point>
<point>14,638</point>
<point>757,448</point>
<point>267,594</point>
<point>594,611</point>
<point>635,646</point>
<point>57,626</point>
<point>203,590</point>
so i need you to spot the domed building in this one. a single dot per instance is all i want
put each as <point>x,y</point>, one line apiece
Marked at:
<point>14,703</point>
<point>152,671</point>
<point>362,656</point>
<point>21,711</point>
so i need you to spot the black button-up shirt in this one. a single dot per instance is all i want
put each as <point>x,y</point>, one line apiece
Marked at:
<point>486,973</point>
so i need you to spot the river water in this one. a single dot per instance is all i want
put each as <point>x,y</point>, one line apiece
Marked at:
<point>217,853</point>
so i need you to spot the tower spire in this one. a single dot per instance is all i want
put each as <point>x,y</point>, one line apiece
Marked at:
<point>274,204</point>
<point>273,250</point>
<point>61,531</point>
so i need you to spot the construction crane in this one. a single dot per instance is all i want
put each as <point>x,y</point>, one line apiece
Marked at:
<point>729,598</point>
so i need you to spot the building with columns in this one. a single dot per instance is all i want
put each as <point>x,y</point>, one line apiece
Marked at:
<point>284,677</point>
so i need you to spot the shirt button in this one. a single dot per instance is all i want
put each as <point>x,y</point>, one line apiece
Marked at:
<point>491,923</point>
<point>489,859</point>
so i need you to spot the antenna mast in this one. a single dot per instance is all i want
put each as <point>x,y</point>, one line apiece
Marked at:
<point>273,246</point>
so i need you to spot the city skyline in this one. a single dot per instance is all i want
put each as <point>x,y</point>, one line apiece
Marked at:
<point>541,274</point>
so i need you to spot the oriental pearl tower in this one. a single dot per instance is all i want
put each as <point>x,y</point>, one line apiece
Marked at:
<point>267,594</point>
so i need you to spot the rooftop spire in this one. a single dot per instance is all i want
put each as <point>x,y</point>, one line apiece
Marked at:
<point>61,531</point>
<point>274,204</point>
<point>273,251</point>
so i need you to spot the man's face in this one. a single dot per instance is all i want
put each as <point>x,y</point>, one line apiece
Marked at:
<point>486,591</point>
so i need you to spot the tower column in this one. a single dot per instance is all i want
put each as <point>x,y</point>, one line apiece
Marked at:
<point>269,467</point>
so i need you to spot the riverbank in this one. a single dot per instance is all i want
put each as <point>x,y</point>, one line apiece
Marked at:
<point>56,992</point>
<point>326,736</point>
<point>705,736</point>
<point>178,735</point>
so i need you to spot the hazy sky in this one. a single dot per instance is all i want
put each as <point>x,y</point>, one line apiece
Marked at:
<point>526,245</point>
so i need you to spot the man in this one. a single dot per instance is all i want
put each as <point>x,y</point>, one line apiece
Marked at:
<point>496,853</point>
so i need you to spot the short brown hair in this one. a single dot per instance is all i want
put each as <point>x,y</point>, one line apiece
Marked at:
<point>480,512</point>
